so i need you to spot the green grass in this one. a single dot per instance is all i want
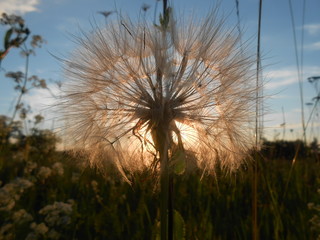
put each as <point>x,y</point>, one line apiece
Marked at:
<point>104,207</point>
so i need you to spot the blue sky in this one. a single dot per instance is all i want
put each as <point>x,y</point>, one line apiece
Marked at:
<point>55,20</point>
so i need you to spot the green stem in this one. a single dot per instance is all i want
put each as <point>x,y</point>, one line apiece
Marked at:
<point>170,208</point>
<point>164,182</point>
<point>23,89</point>
<point>161,139</point>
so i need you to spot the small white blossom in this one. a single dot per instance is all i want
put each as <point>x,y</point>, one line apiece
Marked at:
<point>44,172</point>
<point>30,167</point>
<point>32,236</point>
<point>57,214</point>
<point>315,220</point>
<point>6,232</point>
<point>53,234</point>
<point>57,168</point>
<point>21,216</point>
<point>39,229</point>
<point>7,201</point>
<point>11,192</point>
<point>94,185</point>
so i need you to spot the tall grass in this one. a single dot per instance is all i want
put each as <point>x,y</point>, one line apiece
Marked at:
<point>106,208</point>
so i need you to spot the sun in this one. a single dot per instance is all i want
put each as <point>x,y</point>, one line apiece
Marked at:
<point>188,133</point>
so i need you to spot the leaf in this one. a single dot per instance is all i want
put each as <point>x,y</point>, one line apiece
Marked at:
<point>179,227</point>
<point>7,39</point>
<point>179,161</point>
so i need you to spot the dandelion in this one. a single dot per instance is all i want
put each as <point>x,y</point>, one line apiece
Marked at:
<point>164,98</point>
<point>136,91</point>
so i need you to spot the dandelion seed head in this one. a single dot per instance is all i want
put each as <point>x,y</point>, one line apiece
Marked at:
<point>130,82</point>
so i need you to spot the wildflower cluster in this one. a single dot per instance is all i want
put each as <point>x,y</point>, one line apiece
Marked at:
<point>15,220</point>
<point>11,192</point>
<point>57,217</point>
<point>315,220</point>
<point>45,172</point>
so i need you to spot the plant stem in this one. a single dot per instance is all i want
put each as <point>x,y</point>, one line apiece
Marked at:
<point>23,89</point>
<point>164,7</point>
<point>255,229</point>
<point>164,194</point>
<point>170,208</point>
<point>166,183</point>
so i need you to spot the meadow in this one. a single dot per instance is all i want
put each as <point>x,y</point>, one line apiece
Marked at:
<point>46,193</point>
<point>50,194</point>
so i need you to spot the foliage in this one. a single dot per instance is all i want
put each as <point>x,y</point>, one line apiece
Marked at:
<point>315,220</point>
<point>16,37</point>
<point>52,195</point>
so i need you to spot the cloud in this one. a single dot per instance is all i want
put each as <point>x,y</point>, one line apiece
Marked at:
<point>286,76</point>
<point>42,101</point>
<point>312,29</point>
<point>313,46</point>
<point>18,6</point>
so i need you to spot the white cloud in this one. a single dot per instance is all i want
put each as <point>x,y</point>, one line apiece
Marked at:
<point>312,29</point>
<point>18,6</point>
<point>286,76</point>
<point>41,102</point>
<point>313,46</point>
<point>41,99</point>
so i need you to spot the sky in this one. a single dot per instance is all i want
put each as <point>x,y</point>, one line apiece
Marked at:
<point>57,20</point>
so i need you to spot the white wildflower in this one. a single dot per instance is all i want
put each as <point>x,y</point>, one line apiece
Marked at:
<point>53,234</point>
<point>7,202</point>
<point>6,231</point>
<point>315,220</point>
<point>11,192</point>
<point>94,185</point>
<point>44,172</point>
<point>23,183</point>
<point>57,214</point>
<point>57,168</point>
<point>32,236</point>
<point>30,167</point>
<point>21,216</point>
<point>39,229</point>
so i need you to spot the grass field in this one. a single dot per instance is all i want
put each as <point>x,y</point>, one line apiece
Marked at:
<point>46,194</point>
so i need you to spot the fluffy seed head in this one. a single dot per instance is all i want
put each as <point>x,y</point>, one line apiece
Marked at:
<point>128,83</point>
